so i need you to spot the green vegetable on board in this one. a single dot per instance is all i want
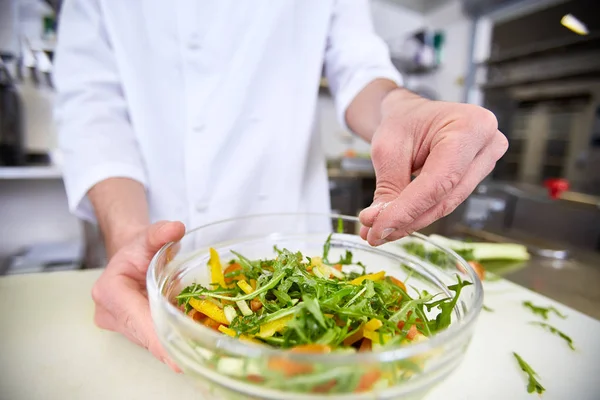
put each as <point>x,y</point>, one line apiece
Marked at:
<point>543,311</point>
<point>533,385</point>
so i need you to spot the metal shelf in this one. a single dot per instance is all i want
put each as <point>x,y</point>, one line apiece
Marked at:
<point>33,172</point>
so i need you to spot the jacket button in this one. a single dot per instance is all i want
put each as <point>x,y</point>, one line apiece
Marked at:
<point>201,206</point>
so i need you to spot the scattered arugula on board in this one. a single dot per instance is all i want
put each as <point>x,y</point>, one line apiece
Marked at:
<point>533,384</point>
<point>297,301</point>
<point>542,311</point>
<point>556,332</point>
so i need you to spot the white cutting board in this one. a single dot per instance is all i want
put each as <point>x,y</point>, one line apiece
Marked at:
<point>50,349</point>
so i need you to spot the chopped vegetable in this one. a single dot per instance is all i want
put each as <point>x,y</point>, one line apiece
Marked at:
<point>484,251</point>
<point>227,331</point>
<point>312,305</point>
<point>230,313</point>
<point>371,277</point>
<point>216,271</point>
<point>556,332</point>
<point>243,306</point>
<point>543,311</point>
<point>209,309</point>
<point>245,287</point>
<point>373,325</point>
<point>271,328</point>
<point>479,270</point>
<point>533,384</point>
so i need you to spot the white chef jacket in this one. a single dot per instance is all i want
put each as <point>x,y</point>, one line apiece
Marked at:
<point>209,104</point>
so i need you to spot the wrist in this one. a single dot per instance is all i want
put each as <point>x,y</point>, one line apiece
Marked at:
<point>117,238</point>
<point>400,97</point>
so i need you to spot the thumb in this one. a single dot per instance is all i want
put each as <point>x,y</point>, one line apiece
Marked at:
<point>161,233</point>
<point>392,160</point>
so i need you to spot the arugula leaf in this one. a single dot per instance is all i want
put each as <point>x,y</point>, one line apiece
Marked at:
<point>446,306</point>
<point>245,324</point>
<point>486,308</point>
<point>346,259</point>
<point>340,225</point>
<point>312,306</point>
<point>543,311</point>
<point>533,384</point>
<point>326,248</point>
<point>556,332</point>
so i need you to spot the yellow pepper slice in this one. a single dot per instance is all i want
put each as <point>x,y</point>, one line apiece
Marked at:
<point>376,337</point>
<point>249,339</point>
<point>245,287</point>
<point>270,328</point>
<point>373,325</point>
<point>227,331</point>
<point>244,338</point>
<point>372,277</point>
<point>216,270</point>
<point>209,309</point>
<point>253,284</point>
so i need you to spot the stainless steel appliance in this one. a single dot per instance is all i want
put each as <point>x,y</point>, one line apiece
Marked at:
<point>11,118</point>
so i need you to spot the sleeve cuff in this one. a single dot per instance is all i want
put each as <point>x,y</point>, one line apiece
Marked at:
<point>360,80</point>
<point>78,186</point>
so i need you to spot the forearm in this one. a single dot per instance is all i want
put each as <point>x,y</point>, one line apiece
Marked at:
<point>365,112</point>
<point>121,209</point>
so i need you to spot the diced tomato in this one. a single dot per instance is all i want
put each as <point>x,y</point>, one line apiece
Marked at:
<point>412,332</point>
<point>211,323</point>
<point>196,315</point>
<point>255,378</point>
<point>401,324</point>
<point>479,270</point>
<point>232,268</point>
<point>365,345</point>
<point>368,380</point>
<point>289,367</point>
<point>338,267</point>
<point>255,304</point>
<point>355,337</point>
<point>325,387</point>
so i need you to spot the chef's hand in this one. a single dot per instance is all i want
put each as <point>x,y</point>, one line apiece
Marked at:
<point>450,147</point>
<point>120,292</point>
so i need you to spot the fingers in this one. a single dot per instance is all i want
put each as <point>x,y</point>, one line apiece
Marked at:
<point>392,159</point>
<point>162,233</point>
<point>131,313</point>
<point>425,201</point>
<point>444,168</point>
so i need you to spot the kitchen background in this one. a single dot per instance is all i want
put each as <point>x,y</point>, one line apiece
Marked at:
<point>535,63</point>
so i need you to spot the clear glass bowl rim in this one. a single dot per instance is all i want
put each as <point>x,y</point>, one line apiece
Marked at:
<point>241,348</point>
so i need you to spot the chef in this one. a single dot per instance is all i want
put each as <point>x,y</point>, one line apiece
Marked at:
<point>193,111</point>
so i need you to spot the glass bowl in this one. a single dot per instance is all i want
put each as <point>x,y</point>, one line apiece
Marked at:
<point>227,368</point>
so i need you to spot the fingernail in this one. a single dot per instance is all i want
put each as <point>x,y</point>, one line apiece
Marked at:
<point>387,232</point>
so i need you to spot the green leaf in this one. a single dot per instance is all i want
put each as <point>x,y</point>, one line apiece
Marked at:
<point>282,297</point>
<point>446,306</point>
<point>533,384</point>
<point>346,259</point>
<point>486,308</point>
<point>543,311</point>
<point>556,332</point>
<point>245,324</point>
<point>312,306</point>
<point>340,225</point>
<point>326,248</point>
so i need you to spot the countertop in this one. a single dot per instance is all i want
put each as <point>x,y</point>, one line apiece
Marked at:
<point>52,350</point>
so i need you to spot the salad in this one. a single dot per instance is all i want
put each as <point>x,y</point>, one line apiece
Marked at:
<point>314,304</point>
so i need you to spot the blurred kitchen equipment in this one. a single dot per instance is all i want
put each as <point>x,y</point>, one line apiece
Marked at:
<point>11,117</point>
<point>45,257</point>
